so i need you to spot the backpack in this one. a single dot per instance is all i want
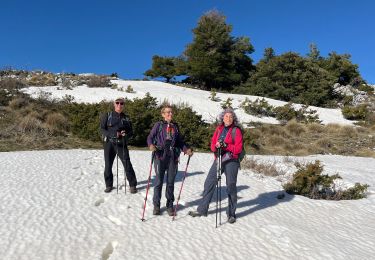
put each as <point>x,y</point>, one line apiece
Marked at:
<point>243,152</point>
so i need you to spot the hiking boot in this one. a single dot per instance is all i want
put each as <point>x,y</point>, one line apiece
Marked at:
<point>170,211</point>
<point>133,189</point>
<point>194,214</point>
<point>156,210</point>
<point>231,220</point>
<point>108,189</point>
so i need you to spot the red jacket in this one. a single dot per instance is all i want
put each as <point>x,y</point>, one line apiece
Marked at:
<point>234,147</point>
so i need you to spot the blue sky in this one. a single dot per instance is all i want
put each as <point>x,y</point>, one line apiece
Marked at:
<point>122,36</point>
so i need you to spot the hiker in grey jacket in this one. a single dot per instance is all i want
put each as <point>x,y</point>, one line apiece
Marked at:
<point>116,129</point>
<point>231,148</point>
<point>167,143</point>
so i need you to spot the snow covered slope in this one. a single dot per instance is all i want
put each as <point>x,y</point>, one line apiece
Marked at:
<point>198,99</point>
<point>53,207</point>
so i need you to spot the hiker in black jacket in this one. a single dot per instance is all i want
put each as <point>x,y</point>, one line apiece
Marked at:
<point>116,129</point>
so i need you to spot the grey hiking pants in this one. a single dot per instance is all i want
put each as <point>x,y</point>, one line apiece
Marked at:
<point>230,169</point>
<point>161,166</point>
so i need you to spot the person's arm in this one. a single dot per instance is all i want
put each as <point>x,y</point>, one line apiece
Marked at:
<point>103,125</point>
<point>152,135</point>
<point>214,140</point>
<point>235,148</point>
<point>128,128</point>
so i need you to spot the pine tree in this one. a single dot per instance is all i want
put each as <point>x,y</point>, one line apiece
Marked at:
<point>215,59</point>
<point>162,67</point>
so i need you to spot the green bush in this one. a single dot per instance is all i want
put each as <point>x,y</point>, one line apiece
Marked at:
<point>287,113</point>
<point>194,130</point>
<point>227,103</point>
<point>360,112</point>
<point>143,113</point>
<point>129,89</point>
<point>84,119</point>
<point>309,181</point>
<point>366,88</point>
<point>259,107</point>
<point>213,95</point>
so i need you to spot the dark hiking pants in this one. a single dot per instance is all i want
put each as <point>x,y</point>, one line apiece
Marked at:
<point>110,151</point>
<point>161,166</point>
<point>230,169</point>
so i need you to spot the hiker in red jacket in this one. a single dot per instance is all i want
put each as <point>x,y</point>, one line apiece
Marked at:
<point>228,137</point>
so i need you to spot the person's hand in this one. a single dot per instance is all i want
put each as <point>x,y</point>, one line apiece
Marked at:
<point>120,133</point>
<point>152,147</point>
<point>221,144</point>
<point>189,151</point>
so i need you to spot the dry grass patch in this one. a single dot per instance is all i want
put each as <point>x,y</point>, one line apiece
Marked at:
<point>276,140</point>
<point>266,169</point>
<point>294,128</point>
<point>57,123</point>
<point>17,103</point>
<point>315,128</point>
<point>348,131</point>
<point>31,124</point>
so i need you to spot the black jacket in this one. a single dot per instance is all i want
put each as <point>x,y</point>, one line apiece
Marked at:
<point>112,122</point>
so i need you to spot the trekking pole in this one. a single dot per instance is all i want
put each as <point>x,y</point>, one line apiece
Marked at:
<point>123,157</point>
<point>117,164</point>
<point>217,182</point>
<point>148,186</point>
<point>220,189</point>
<point>182,185</point>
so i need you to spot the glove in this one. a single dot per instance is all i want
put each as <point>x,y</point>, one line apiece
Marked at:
<point>152,148</point>
<point>223,144</point>
<point>189,151</point>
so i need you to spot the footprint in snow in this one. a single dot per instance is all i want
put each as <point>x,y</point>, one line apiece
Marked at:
<point>109,249</point>
<point>114,220</point>
<point>99,201</point>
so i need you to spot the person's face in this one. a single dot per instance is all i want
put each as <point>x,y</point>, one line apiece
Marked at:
<point>119,105</point>
<point>167,114</point>
<point>228,119</point>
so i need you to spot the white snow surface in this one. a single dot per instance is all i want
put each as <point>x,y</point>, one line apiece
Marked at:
<point>199,100</point>
<point>53,207</point>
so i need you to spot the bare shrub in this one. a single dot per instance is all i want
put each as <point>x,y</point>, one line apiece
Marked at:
<point>30,124</point>
<point>44,79</point>
<point>266,169</point>
<point>17,103</point>
<point>57,123</point>
<point>95,81</point>
<point>11,84</point>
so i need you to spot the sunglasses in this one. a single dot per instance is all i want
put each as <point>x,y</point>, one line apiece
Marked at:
<point>119,103</point>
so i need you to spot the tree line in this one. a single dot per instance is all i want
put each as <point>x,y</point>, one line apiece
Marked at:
<point>217,60</point>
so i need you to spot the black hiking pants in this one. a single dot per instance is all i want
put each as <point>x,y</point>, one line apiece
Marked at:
<point>110,151</point>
